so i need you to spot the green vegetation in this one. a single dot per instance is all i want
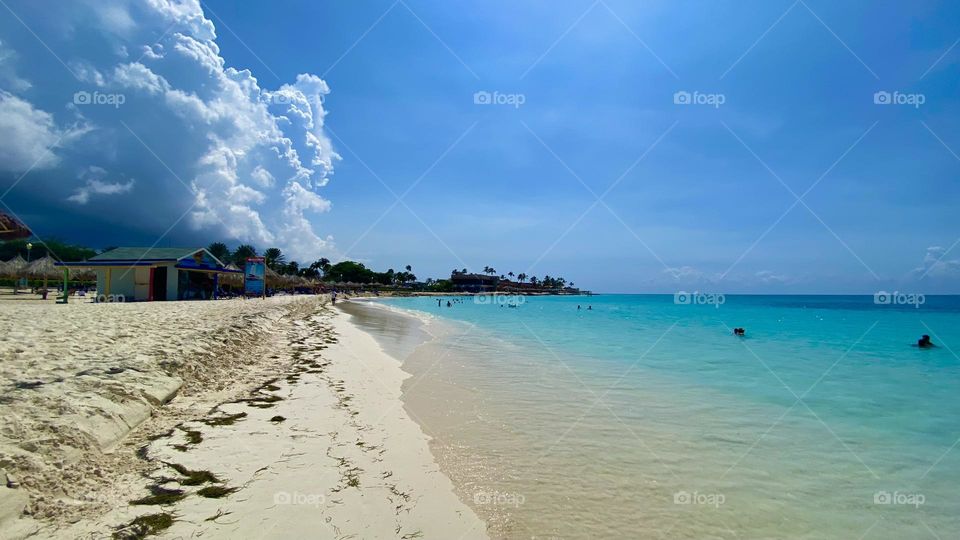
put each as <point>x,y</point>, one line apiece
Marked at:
<point>55,248</point>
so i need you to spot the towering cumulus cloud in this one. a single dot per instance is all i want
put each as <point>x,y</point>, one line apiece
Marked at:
<point>125,112</point>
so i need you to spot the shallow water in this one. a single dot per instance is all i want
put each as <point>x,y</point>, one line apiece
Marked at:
<point>648,419</point>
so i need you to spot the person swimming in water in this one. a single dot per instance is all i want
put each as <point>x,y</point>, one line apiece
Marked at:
<point>739,332</point>
<point>924,342</point>
<point>448,303</point>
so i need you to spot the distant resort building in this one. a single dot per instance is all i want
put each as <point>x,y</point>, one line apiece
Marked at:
<point>473,283</point>
<point>155,274</point>
<point>487,283</point>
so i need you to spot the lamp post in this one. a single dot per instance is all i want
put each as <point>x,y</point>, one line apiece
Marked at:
<point>29,247</point>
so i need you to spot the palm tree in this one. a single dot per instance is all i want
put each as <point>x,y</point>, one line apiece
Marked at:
<point>409,268</point>
<point>242,253</point>
<point>510,274</point>
<point>522,277</point>
<point>274,257</point>
<point>220,251</point>
<point>322,263</point>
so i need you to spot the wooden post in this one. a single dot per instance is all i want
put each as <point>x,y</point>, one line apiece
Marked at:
<point>66,284</point>
<point>150,291</point>
<point>216,284</point>
<point>106,285</point>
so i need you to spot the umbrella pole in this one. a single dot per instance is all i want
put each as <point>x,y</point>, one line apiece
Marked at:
<point>44,287</point>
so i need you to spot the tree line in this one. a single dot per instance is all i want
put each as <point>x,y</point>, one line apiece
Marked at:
<point>345,271</point>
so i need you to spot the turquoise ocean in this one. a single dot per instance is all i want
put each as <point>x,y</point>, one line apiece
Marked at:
<point>645,417</point>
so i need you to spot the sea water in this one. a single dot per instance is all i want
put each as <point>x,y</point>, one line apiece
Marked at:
<point>643,416</point>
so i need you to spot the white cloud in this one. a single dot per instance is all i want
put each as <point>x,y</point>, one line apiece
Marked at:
<point>768,277</point>
<point>690,275</point>
<point>241,160</point>
<point>82,194</point>
<point>29,135</point>
<point>937,265</point>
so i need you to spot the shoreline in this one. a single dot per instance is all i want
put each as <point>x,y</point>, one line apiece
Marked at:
<point>323,443</point>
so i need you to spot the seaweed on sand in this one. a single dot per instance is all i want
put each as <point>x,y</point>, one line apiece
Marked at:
<point>143,526</point>
<point>160,496</point>
<point>227,420</point>
<point>215,492</point>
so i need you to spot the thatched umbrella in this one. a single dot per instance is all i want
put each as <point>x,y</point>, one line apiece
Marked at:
<point>83,274</point>
<point>230,278</point>
<point>15,268</point>
<point>46,269</point>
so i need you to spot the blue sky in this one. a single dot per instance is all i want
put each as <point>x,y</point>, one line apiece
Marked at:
<point>693,195</point>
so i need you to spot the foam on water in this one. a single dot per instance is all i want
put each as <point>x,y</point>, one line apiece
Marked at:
<point>647,418</point>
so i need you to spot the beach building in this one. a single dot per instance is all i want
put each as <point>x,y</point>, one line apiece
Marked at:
<point>153,274</point>
<point>475,283</point>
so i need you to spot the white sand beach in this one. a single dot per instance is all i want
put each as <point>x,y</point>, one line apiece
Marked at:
<point>233,419</point>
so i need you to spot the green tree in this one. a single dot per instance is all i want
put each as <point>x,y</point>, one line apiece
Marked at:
<point>60,251</point>
<point>274,257</point>
<point>220,251</point>
<point>242,253</point>
<point>350,271</point>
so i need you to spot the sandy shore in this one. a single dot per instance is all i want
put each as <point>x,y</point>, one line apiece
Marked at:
<point>239,419</point>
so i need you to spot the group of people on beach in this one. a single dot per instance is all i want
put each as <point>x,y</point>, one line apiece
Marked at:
<point>923,343</point>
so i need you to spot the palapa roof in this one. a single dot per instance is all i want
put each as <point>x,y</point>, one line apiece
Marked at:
<point>12,229</point>
<point>45,266</point>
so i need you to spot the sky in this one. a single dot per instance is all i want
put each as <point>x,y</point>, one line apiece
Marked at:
<point>738,147</point>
